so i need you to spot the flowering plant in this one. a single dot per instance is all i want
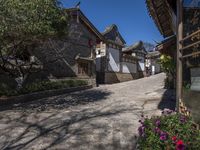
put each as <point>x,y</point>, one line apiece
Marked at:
<point>171,131</point>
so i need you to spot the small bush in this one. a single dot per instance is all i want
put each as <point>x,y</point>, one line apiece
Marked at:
<point>168,65</point>
<point>169,132</point>
<point>6,90</point>
<point>42,86</point>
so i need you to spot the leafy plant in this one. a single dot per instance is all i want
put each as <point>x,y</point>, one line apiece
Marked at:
<point>168,65</point>
<point>24,25</point>
<point>170,131</point>
<point>42,86</point>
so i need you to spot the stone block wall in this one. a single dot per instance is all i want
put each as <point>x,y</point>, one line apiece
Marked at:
<point>63,51</point>
<point>113,77</point>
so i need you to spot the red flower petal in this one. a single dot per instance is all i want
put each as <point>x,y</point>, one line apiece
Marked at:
<point>174,138</point>
<point>180,142</point>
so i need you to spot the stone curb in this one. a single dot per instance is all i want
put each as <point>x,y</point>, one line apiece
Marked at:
<point>40,95</point>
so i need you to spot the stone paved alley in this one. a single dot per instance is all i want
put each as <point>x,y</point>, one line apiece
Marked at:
<point>104,117</point>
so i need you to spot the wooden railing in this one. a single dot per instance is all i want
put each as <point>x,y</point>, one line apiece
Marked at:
<point>196,43</point>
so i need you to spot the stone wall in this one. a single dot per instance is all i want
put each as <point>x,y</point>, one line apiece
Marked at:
<point>114,59</point>
<point>157,66</point>
<point>40,95</point>
<point>113,77</point>
<point>62,52</point>
<point>129,67</point>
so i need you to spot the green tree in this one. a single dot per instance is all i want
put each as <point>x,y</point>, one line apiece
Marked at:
<point>24,25</point>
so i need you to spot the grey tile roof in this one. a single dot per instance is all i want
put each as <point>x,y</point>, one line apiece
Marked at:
<point>137,47</point>
<point>112,33</point>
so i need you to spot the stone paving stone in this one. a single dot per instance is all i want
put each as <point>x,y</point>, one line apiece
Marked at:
<point>101,118</point>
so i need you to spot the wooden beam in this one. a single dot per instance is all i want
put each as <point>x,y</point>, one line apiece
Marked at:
<point>190,36</point>
<point>179,78</point>
<point>189,46</point>
<point>170,12</point>
<point>190,55</point>
<point>156,16</point>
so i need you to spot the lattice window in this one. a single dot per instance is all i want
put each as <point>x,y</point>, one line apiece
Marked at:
<point>84,68</point>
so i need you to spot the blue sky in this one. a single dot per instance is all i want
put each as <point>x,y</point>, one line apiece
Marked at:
<point>130,16</point>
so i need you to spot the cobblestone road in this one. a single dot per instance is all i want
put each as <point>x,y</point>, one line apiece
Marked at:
<point>101,118</point>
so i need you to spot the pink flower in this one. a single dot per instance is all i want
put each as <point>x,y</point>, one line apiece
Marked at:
<point>163,136</point>
<point>141,131</point>
<point>157,130</point>
<point>174,138</point>
<point>158,123</point>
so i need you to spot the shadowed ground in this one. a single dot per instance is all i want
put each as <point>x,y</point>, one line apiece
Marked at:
<point>101,118</point>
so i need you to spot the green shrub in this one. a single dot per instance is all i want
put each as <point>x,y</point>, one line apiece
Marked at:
<point>5,89</point>
<point>168,65</point>
<point>42,86</point>
<point>170,131</point>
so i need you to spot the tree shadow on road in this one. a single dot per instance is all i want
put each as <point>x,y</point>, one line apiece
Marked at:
<point>60,102</point>
<point>72,130</point>
<point>168,100</point>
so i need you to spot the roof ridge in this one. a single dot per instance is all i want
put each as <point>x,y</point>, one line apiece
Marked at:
<point>109,28</point>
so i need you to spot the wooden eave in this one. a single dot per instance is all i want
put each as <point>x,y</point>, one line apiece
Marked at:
<point>113,42</point>
<point>131,57</point>
<point>167,43</point>
<point>153,54</point>
<point>133,47</point>
<point>160,11</point>
<point>84,58</point>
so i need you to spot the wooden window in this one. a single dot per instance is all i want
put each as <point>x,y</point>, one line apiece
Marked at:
<point>84,68</point>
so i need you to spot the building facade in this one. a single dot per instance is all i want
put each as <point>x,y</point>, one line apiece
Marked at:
<point>138,53</point>
<point>112,64</point>
<point>152,63</point>
<point>87,54</point>
<point>73,56</point>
